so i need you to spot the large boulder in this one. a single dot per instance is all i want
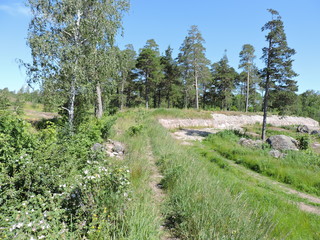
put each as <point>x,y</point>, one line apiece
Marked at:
<point>250,143</point>
<point>282,142</point>
<point>303,129</point>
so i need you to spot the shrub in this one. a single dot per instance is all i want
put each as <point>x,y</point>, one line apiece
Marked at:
<point>54,186</point>
<point>134,130</point>
<point>304,142</point>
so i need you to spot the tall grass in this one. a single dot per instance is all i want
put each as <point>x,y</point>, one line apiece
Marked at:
<point>299,169</point>
<point>207,201</point>
<point>142,220</point>
<point>199,206</point>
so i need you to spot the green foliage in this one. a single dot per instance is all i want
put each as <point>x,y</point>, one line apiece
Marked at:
<point>304,142</point>
<point>224,79</point>
<point>194,65</point>
<point>135,130</point>
<point>16,136</point>
<point>278,74</point>
<point>300,169</point>
<point>55,186</point>
<point>4,100</point>
<point>149,64</point>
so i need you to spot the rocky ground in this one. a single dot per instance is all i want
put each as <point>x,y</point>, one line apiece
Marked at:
<point>197,129</point>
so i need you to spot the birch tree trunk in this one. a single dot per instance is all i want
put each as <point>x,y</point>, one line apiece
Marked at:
<point>99,110</point>
<point>122,93</point>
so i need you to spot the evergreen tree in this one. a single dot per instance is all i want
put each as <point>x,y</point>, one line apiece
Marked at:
<point>127,62</point>
<point>224,80</point>
<point>193,62</point>
<point>148,62</point>
<point>171,75</point>
<point>278,72</point>
<point>246,62</point>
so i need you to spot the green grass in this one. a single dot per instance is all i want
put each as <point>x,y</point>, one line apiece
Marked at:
<point>142,220</point>
<point>207,201</point>
<point>299,169</point>
<point>181,113</point>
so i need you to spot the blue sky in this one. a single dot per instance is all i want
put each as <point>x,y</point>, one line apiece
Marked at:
<point>224,25</point>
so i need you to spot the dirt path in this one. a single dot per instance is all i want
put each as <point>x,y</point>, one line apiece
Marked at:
<point>158,193</point>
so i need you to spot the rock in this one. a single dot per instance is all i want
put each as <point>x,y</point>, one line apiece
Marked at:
<point>277,154</point>
<point>315,132</point>
<point>97,147</point>
<point>250,143</point>
<point>282,142</point>
<point>118,148</point>
<point>303,129</point>
<point>114,148</point>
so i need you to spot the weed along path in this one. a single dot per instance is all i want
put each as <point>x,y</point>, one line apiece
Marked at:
<point>158,193</point>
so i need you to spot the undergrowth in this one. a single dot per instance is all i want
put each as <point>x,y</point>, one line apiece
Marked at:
<point>54,185</point>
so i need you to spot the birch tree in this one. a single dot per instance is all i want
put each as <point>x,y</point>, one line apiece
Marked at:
<point>67,39</point>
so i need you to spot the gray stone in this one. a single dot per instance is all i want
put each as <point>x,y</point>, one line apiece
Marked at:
<point>277,154</point>
<point>282,142</point>
<point>315,132</point>
<point>118,148</point>
<point>97,147</point>
<point>303,129</point>
<point>250,143</point>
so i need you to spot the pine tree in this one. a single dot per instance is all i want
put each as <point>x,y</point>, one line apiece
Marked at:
<point>171,75</point>
<point>148,62</point>
<point>224,80</point>
<point>278,72</point>
<point>193,62</point>
<point>127,62</point>
<point>246,62</point>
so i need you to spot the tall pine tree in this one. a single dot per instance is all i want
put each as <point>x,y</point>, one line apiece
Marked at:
<point>246,62</point>
<point>278,73</point>
<point>193,62</point>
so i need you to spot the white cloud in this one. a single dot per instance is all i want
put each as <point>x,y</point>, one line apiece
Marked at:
<point>15,9</point>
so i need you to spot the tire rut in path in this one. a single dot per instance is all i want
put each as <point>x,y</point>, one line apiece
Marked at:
<point>158,193</point>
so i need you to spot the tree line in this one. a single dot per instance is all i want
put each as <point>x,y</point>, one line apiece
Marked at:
<point>79,67</point>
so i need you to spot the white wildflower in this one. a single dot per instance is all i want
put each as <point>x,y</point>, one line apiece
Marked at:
<point>19,225</point>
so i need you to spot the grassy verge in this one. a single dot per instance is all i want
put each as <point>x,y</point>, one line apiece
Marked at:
<point>299,169</point>
<point>142,219</point>
<point>209,202</point>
